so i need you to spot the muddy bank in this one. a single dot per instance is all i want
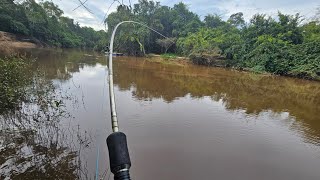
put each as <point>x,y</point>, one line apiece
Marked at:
<point>10,42</point>
<point>203,60</point>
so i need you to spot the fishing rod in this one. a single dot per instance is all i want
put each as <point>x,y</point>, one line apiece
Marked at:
<point>117,141</point>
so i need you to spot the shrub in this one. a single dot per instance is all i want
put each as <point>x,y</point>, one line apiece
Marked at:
<point>14,77</point>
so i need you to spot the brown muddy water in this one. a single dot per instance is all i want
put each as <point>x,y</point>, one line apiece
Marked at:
<point>187,122</point>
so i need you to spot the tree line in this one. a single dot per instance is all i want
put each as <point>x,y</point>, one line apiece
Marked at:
<point>282,45</point>
<point>45,21</point>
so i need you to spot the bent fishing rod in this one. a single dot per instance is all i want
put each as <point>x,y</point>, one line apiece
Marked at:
<point>117,141</point>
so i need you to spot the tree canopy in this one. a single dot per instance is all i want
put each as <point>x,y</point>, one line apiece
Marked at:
<point>280,45</point>
<point>45,21</point>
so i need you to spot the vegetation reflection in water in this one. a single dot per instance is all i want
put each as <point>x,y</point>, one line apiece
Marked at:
<point>34,143</point>
<point>238,90</point>
<point>49,144</point>
<point>253,93</point>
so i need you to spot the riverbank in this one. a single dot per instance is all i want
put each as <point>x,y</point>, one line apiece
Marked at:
<point>169,59</point>
<point>211,62</point>
<point>9,42</point>
<point>205,60</point>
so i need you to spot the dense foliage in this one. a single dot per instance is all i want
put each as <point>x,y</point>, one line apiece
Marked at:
<point>171,22</point>
<point>281,45</point>
<point>264,44</point>
<point>45,22</point>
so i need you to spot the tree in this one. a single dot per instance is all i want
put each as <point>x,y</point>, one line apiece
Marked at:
<point>237,20</point>
<point>51,9</point>
<point>45,22</point>
<point>166,17</point>
<point>288,28</point>
<point>13,18</point>
<point>166,43</point>
<point>184,21</point>
<point>311,32</point>
<point>213,21</point>
<point>316,17</point>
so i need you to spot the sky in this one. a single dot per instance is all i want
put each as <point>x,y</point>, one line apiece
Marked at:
<point>224,8</point>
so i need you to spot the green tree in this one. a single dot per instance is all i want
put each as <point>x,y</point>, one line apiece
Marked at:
<point>13,18</point>
<point>166,43</point>
<point>184,21</point>
<point>311,32</point>
<point>237,20</point>
<point>213,21</point>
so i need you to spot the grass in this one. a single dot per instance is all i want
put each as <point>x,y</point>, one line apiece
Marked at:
<point>168,56</point>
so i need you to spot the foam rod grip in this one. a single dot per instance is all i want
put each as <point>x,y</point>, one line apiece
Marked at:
<point>118,152</point>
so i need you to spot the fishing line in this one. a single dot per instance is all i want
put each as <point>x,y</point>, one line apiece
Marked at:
<point>105,16</point>
<point>110,72</point>
<point>114,120</point>
<point>104,175</point>
<point>79,5</point>
<point>97,162</point>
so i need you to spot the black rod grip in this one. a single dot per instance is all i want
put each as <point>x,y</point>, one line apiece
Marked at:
<point>122,175</point>
<point>118,154</point>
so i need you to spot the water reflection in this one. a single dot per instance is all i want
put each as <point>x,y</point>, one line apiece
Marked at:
<point>194,120</point>
<point>249,92</point>
<point>34,143</point>
<point>61,64</point>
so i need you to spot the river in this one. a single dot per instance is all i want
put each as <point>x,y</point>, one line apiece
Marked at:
<point>191,122</point>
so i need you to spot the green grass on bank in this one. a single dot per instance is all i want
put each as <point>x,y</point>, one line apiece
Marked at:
<point>168,56</point>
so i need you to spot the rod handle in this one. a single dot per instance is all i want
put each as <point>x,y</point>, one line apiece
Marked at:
<point>122,175</point>
<point>119,155</point>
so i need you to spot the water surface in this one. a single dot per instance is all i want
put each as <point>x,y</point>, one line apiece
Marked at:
<point>193,122</point>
